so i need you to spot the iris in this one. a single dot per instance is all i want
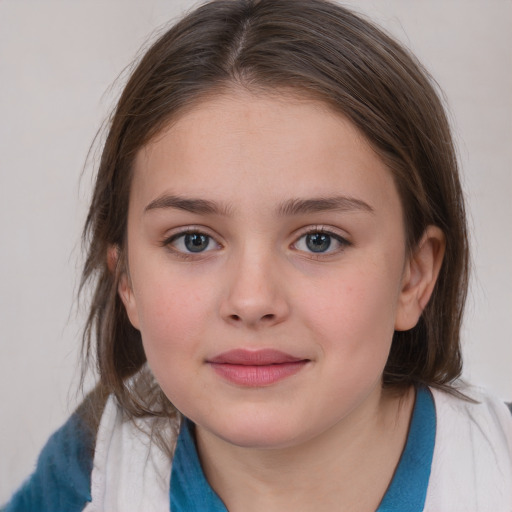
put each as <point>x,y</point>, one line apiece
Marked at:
<point>318,242</point>
<point>196,242</point>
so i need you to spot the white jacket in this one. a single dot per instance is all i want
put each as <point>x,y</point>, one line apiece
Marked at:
<point>471,468</point>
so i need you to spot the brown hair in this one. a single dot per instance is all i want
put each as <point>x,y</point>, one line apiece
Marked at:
<point>316,49</point>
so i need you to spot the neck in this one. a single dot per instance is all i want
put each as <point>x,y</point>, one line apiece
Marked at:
<point>328,472</point>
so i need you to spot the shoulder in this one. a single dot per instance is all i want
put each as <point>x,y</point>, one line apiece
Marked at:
<point>475,409</point>
<point>61,480</point>
<point>473,444</point>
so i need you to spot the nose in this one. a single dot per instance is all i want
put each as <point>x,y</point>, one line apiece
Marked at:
<point>256,294</point>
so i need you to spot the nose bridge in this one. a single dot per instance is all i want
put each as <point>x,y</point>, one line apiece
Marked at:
<point>255,295</point>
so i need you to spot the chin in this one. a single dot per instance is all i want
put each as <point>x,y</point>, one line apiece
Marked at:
<point>258,432</point>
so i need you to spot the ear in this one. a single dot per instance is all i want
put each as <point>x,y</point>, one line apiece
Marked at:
<point>112,258</point>
<point>420,275</point>
<point>124,286</point>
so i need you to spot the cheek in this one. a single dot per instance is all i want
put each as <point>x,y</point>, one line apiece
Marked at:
<point>168,300</point>
<point>172,326</point>
<point>173,320</point>
<point>353,316</point>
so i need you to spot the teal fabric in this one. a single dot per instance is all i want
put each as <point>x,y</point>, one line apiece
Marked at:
<point>62,479</point>
<point>408,489</point>
<point>190,491</point>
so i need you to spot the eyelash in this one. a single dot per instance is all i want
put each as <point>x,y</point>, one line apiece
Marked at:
<point>341,241</point>
<point>168,243</point>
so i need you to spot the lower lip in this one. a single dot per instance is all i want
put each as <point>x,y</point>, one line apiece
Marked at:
<point>257,375</point>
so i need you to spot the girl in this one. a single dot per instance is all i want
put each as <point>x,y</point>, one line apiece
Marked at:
<point>278,245</point>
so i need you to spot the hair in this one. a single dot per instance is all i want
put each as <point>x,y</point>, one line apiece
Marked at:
<point>314,49</point>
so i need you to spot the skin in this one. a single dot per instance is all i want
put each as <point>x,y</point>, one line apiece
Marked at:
<point>311,441</point>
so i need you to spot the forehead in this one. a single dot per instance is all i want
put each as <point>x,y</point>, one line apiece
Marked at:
<point>252,148</point>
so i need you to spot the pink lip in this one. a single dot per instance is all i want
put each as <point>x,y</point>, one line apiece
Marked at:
<point>256,368</point>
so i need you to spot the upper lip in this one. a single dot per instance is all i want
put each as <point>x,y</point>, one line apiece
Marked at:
<point>254,357</point>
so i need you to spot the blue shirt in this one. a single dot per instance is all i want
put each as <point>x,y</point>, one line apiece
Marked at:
<point>190,491</point>
<point>62,480</point>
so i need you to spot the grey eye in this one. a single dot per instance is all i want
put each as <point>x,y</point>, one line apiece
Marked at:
<point>196,242</point>
<point>318,242</point>
<point>191,242</point>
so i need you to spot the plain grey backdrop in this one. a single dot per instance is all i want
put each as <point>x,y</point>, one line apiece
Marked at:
<point>58,60</point>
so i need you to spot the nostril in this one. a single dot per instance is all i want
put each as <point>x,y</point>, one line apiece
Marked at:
<point>268,317</point>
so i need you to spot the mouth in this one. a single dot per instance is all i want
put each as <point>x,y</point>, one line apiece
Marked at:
<point>257,368</point>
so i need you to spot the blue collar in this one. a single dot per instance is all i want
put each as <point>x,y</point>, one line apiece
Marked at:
<point>408,489</point>
<point>190,491</point>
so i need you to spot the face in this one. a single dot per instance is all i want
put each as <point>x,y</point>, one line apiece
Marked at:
<point>266,260</point>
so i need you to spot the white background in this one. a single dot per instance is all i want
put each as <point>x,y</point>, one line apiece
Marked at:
<point>58,60</point>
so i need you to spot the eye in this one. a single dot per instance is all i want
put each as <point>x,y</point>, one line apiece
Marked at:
<point>320,242</point>
<point>192,242</point>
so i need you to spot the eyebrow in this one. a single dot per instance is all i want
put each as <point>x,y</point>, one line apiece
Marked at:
<point>192,205</point>
<point>288,208</point>
<point>323,204</point>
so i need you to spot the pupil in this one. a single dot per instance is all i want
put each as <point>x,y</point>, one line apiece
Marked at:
<point>318,242</point>
<point>195,242</point>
